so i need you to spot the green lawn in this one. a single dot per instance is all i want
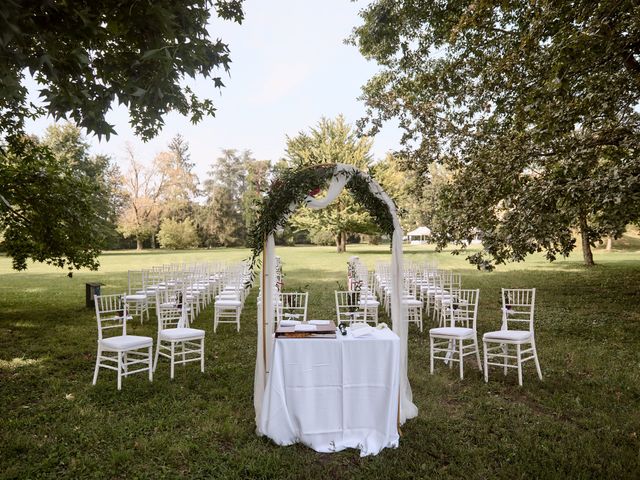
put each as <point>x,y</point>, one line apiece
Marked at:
<point>582,421</point>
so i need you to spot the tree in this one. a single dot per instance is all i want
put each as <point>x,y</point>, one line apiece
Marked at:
<point>234,183</point>
<point>181,184</point>
<point>86,56</point>
<point>531,106</point>
<point>220,220</point>
<point>142,213</point>
<point>401,186</point>
<point>69,146</point>
<point>50,212</point>
<point>177,235</point>
<point>332,141</point>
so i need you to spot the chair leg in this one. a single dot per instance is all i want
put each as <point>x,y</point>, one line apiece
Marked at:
<point>173,353</point>
<point>238,318</point>
<point>486,363</point>
<point>202,355</point>
<point>505,352</point>
<point>519,364</point>
<point>150,351</point>
<point>95,372</point>
<point>431,354</point>
<point>451,353</point>
<point>475,344</point>
<point>155,362</point>
<point>461,358</point>
<point>119,370</point>
<point>215,319</point>
<point>535,358</point>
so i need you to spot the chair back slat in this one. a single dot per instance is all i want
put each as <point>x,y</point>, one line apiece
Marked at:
<point>293,306</point>
<point>463,311</point>
<point>111,313</point>
<point>171,308</point>
<point>518,306</point>
<point>347,305</point>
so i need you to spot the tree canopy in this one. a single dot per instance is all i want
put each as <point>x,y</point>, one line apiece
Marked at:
<point>87,57</point>
<point>57,201</point>
<point>531,106</point>
<point>332,141</point>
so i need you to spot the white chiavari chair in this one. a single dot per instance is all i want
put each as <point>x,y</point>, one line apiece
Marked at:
<point>461,336</point>
<point>506,344</point>
<point>176,340</point>
<point>119,352</point>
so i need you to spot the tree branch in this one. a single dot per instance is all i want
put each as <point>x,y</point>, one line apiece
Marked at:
<point>13,210</point>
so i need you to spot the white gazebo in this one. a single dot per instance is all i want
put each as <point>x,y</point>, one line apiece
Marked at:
<point>419,236</point>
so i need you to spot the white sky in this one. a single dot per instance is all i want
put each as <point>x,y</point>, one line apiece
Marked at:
<point>290,67</point>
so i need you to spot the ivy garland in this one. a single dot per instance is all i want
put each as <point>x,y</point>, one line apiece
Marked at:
<point>291,188</point>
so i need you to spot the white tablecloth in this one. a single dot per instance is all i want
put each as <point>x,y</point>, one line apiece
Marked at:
<point>332,394</point>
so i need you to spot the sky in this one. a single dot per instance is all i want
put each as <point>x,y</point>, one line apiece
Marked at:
<point>290,67</point>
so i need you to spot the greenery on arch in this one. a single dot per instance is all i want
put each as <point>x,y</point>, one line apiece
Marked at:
<point>290,189</point>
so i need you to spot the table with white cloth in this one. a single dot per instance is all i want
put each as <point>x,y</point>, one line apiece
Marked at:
<point>332,394</point>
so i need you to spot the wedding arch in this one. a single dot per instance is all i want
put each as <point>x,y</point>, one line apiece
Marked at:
<point>296,187</point>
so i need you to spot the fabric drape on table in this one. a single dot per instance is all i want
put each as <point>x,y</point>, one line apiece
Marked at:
<point>332,394</point>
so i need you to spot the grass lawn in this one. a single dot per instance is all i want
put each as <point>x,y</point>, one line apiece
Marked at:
<point>582,421</point>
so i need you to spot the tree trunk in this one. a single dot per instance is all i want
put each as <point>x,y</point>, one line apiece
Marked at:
<point>609,242</point>
<point>341,242</point>
<point>139,244</point>
<point>587,254</point>
<point>153,241</point>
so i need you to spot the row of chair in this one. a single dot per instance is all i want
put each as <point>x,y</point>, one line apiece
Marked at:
<point>175,341</point>
<point>177,293</point>
<point>201,282</point>
<point>508,347</point>
<point>439,294</point>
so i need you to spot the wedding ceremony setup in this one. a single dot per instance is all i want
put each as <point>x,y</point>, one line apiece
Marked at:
<point>368,239</point>
<point>330,384</point>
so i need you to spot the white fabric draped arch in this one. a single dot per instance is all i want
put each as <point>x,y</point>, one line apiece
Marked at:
<point>341,175</point>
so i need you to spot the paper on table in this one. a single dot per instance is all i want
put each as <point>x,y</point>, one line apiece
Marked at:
<point>358,326</point>
<point>319,322</point>
<point>362,331</point>
<point>303,327</point>
<point>289,323</point>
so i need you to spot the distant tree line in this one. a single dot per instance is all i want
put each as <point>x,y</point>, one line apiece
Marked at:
<point>163,204</point>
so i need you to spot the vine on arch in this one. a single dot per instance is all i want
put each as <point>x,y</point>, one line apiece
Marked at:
<point>291,188</point>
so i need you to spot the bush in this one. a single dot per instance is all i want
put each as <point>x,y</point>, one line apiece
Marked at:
<point>323,237</point>
<point>177,235</point>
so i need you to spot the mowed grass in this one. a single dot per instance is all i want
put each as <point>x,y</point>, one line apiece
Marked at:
<point>582,421</point>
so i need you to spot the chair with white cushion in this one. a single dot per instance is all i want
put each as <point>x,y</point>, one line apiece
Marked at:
<point>228,305</point>
<point>518,307</point>
<point>137,296</point>
<point>461,337</point>
<point>177,342</point>
<point>119,352</point>
<point>410,301</point>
